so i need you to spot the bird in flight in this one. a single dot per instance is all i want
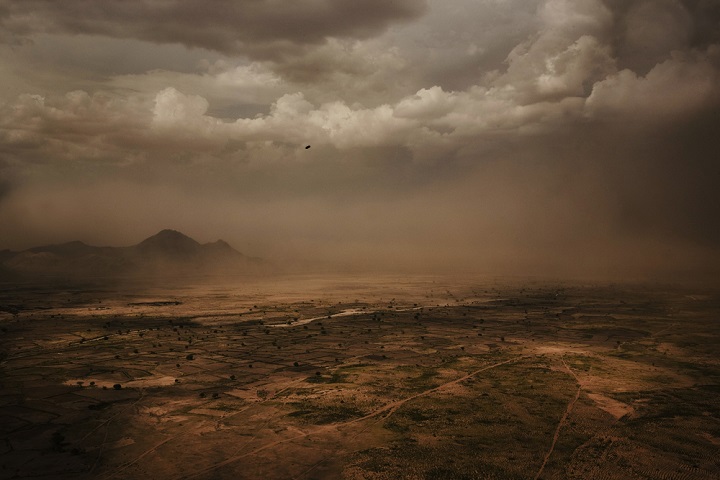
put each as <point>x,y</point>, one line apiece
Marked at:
<point>307,146</point>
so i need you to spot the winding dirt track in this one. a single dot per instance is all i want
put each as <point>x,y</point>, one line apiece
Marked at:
<point>562,419</point>
<point>390,408</point>
<point>393,406</point>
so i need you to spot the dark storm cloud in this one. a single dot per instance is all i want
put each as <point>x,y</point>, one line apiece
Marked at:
<point>255,27</point>
<point>646,31</point>
<point>556,136</point>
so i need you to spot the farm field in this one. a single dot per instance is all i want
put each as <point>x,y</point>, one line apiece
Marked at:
<point>360,377</point>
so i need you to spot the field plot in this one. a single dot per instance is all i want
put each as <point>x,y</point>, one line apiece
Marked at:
<point>360,378</point>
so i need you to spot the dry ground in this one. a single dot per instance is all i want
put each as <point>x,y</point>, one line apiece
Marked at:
<point>359,378</point>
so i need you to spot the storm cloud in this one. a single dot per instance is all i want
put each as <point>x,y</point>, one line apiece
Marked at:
<point>549,137</point>
<point>251,27</point>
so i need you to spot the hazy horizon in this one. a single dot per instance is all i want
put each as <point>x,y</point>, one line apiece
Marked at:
<point>552,137</point>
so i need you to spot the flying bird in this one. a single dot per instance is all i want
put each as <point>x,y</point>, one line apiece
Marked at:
<point>307,146</point>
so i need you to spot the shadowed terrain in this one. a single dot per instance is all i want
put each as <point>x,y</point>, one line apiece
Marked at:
<point>360,378</point>
<point>165,254</point>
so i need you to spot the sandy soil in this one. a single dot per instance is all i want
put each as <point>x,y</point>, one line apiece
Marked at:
<point>330,377</point>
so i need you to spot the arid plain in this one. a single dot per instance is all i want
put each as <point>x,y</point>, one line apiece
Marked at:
<point>360,377</point>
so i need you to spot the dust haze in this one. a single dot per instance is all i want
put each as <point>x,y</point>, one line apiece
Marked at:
<point>330,239</point>
<point>524,138</point>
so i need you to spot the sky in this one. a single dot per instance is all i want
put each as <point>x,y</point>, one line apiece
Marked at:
<point>517,137</point>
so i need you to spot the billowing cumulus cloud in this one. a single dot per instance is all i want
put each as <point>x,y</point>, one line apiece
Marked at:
<point>680,85</point>
<point>555,136</point>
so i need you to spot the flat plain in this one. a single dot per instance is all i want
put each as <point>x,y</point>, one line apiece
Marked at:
<point>360,377</point>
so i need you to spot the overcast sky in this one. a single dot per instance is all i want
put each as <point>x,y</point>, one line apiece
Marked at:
<point>558,137</point>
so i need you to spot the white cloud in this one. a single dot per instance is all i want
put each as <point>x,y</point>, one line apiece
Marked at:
<point>174,108</point>
<point>565,55</point>
<point>567,73</point>
<point>429,104</point>
<point>221,83</point>
<point>680,85</point>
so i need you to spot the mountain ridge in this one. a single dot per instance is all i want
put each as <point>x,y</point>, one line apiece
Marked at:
<point>167,253</point>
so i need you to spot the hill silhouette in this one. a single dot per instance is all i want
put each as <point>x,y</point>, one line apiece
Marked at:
<point>167,253</point>
<point>170,243</point>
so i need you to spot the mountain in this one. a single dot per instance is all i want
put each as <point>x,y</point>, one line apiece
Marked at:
<point>170,243</point>
<point>70,249</point>
<point>168,253</point>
